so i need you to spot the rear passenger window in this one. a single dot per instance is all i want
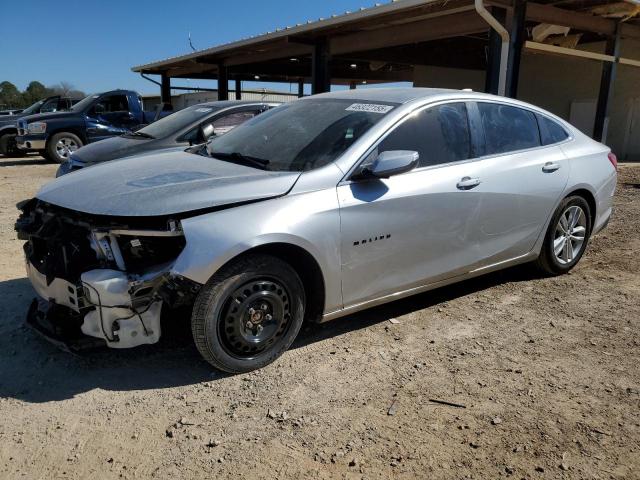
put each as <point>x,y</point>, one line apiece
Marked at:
<point>439,134</point>
<point>507,128</point>
<point>550,132</point>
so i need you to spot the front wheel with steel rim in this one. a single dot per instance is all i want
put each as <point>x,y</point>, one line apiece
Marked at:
<point>61,145</point>
<point>248,314</point>
<point>567,236</point>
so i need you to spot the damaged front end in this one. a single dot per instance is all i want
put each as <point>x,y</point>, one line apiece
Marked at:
<point>101,279</point>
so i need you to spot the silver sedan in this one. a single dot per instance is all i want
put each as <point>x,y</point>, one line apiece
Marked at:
<point>312,211</point>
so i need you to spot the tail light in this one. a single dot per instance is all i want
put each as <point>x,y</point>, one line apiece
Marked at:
<point>613,159</point>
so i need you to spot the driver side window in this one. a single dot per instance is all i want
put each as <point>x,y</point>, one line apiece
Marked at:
<point>218,127</point>
<point>111,104</point>
<point>439,134</point>
<point>224,124</point>
<point>50,106</point>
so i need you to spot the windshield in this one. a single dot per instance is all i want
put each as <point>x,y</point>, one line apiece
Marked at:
<point>84,103</point>
<point>298,136</point>
<point>177,121</point>
<point>35,108</point>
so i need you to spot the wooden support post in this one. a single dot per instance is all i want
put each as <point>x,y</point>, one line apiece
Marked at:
<point>165,89</point>
<point>320,75</point>
<point>607,84</point>
<point>223,82</point>
<point>492,78</point>
<point>518,37</point>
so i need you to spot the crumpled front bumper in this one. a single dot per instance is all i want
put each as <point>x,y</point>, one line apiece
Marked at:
<point>57,325</point>
<point>99,311</point>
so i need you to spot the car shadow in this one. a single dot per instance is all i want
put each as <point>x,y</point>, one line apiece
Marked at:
<point>22,161</point>
<point>33,370</point>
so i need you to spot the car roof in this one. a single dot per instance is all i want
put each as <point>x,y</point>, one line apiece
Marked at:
<point>406,94</point>
<point>233,103</point>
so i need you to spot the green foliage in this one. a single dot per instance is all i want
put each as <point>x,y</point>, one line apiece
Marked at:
<point>11,97</point>
<point>34,92</point>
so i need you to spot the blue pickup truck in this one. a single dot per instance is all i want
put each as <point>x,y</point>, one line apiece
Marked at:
<point>96,117</point>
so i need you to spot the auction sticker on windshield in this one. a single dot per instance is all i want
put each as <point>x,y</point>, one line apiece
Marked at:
<point>369,107</point>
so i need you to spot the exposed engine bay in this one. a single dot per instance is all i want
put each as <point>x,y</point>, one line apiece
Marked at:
<point>101,279</point>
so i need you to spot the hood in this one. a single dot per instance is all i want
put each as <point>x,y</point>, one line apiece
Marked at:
<point>8,120</point>
<point>165,183</point>
<point>43,117</point>
<point>111,148</point>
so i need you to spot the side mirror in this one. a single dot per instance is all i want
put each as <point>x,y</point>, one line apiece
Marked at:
<point>201,135</point>
<point>207,130</point>
<point>390,163</point>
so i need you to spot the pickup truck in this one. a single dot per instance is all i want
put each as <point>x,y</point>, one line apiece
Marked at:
<point>9,129</point>
<point>94,118</point>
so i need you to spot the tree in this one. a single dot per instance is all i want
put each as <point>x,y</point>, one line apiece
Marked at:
<point>9,95</point>
<point>66,89</point>
<point>34,92</point>
<point>62,88</point>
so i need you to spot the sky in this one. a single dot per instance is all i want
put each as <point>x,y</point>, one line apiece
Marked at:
<point>93,44</point>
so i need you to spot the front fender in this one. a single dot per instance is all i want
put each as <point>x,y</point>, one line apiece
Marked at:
<point>8,129</point>
<point>310,221</point>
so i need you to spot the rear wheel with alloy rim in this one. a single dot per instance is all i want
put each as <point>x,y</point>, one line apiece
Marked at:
<point>248,314</point>
<point>567,236</point>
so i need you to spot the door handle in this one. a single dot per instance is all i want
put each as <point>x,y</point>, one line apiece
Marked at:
<point>467,183</point>
<point>550,167</point>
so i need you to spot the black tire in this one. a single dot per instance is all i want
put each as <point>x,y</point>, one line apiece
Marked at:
<point>8,146</point>
<point>233,299</point>
<point>548,262</point>
<point>51,150</point>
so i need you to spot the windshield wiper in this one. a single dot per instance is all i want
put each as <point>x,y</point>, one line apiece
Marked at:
<point>240,158</point>
<point>139,134</point>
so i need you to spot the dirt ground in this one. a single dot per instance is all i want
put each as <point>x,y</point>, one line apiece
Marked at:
<point>547,369</point>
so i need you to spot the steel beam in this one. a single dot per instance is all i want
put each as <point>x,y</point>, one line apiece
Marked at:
<point>607,84</point>
<point>223,82</point>
<point>453,25</point>
<point>238,89</point>
<point>516,44</point>
<point>320,74</point>
<point>301,88</point>
<point>165,89</point>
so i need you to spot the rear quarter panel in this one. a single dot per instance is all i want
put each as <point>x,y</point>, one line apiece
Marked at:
<point>591,170</point>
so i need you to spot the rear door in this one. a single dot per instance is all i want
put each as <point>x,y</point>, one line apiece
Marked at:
<point>521,177</point>
<point>411,229</point>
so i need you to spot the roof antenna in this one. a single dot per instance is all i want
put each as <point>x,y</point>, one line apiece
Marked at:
<point>191,44</point>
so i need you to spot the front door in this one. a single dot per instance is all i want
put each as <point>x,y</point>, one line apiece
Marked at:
<point>414,228</point>
<point>110,116</point>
